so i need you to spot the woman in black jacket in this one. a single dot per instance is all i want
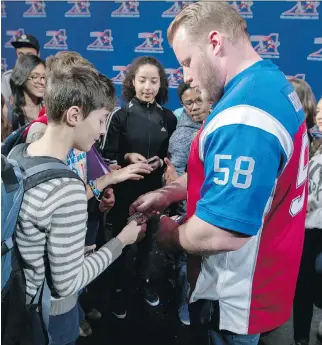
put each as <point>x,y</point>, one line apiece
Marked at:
<point>137,132</point>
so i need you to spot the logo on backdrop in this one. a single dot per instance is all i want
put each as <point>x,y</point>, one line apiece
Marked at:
<point>80,9</point>
<point>152,42</point>
<point>176,8</point>
<point>175,76</point>
<point>298,76</point>
<point>127,9</point>
<point>243,8</point>
<point>57,41</point>
<point>302,10</point>
<point>317,56</point>
<point>14,35</point>
<point>103,41</point>
<point>118,79</point>
<point>266,46</point>
<point>3,10</point>
<point>36,9</point>
<point>4,65</point>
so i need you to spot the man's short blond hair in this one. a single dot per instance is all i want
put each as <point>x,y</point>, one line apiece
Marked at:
<point>202,17</point>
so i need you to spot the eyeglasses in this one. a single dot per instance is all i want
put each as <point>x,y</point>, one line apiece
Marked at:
<point>37,78</point>
<point>190,103</point>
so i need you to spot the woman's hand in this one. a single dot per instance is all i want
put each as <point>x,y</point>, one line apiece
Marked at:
<point>108,200</point>
<point>156,162</point>
<point>132,158</point>
<point>131,172</point>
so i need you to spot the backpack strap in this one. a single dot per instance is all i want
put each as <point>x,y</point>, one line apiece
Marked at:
<point>8,175</point>
<point>37,170</point>
<point>43,297</point>
<point>6,246</point>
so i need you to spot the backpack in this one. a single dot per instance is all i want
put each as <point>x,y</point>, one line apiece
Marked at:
<point>13,140</point>
<point>19,320</point>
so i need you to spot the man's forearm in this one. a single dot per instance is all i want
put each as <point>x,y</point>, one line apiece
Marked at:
<point>198,237</point>
<point>177,190</point>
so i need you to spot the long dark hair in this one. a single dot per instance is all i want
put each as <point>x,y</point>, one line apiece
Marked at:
<point>25,64</point>
<point>128,90</point>
<point>6,127</point>
<point>307,98</point>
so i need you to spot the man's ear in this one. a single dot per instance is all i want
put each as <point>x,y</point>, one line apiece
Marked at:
<point>215,39</point>
<point>73,116</point>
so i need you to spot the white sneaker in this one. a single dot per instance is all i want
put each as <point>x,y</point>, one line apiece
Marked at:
<point>85,329</point>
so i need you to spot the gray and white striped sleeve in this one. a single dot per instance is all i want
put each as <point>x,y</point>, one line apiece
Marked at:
<point>70,270</point>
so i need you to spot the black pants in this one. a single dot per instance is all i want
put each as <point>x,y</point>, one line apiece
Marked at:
<point>143,260</point>
<point>309,284</point>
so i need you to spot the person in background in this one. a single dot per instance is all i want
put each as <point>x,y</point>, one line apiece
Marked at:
<point>28,87</point>
<point>137,132</point>
<point>25,44</point>
<point>196,108</point>
<point>178,112</point>
<point>309,283</point>
<point>306,95</point>
<point>6,128</point>
<point>316,131</point>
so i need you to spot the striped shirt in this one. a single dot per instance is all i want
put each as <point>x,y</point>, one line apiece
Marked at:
<point>52,226</point>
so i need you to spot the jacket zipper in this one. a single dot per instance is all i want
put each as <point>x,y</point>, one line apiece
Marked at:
<point>149,141</point>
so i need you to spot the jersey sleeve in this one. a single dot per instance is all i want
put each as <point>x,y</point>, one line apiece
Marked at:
<point>242,160</point>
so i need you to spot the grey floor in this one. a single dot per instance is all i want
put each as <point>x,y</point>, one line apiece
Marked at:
<point>159,325</point>
<point>284,335</point>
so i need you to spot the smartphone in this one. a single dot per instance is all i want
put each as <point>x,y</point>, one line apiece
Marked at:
<point>180,220</point>
<point>152,160</point>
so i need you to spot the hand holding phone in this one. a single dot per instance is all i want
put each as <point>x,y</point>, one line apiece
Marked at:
<point>154,162</point>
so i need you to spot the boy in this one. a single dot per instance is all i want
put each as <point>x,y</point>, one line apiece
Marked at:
<point>53,215</point>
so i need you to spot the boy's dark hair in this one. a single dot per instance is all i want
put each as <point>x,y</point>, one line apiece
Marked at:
<point>128,90</point>
<point>77,85</point>
<point>20,74</point>
<point>182,88</point>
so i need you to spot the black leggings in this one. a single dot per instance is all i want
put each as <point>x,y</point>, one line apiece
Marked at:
<point>309,284</point>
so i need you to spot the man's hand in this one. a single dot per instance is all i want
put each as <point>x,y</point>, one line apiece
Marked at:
<point>170,174</point>
<point>160,199</point>
<point>167,235</point>
<point>150,203</point>
<point>108,200</point>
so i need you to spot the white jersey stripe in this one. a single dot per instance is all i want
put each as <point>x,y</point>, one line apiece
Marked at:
<point>249,116</point>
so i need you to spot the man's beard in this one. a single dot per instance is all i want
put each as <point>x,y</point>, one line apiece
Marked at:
<point>210,80</point>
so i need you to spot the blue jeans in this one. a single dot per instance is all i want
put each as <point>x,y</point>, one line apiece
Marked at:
<point>229,338</point>
<point>64,328</point>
